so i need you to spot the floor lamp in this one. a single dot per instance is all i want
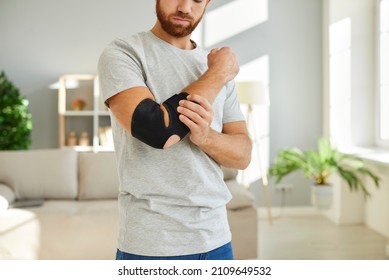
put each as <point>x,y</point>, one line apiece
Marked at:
<point>254,93</point>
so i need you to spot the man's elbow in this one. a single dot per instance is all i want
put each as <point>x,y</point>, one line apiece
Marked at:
<point>245,157</point>
<point>244,162</point>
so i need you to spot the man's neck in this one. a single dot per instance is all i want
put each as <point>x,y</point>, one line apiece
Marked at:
<point>182,43</point>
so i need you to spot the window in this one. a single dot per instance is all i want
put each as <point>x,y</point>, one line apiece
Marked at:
<point>383,75</point>
<point>340,82</point>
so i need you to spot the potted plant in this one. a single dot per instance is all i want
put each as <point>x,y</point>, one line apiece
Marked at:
<point>15,119</point>
<point>319,164</point>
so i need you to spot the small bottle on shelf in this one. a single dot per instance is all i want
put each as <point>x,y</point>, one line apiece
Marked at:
<point>84,139</point>
<point>72,139</point>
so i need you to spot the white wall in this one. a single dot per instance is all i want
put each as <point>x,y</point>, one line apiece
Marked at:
<point>43,39</point>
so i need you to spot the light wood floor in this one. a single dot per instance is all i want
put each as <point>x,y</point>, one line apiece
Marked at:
<point>315,237</point>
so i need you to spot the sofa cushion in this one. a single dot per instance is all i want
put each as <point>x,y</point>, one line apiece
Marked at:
<point>7,196</point>
<point>98,177</point>
<point>229,173</point>
<point>37,174</point>
<point>241,198</point>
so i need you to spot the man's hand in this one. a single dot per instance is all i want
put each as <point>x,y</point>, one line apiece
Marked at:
<point>230,148</point>
<point>222,68</point>
<point>223,62</point>
<point>197,114</point>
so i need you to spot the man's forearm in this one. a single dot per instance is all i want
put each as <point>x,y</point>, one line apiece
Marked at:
<point>208,86</point>
<point>229,150</point>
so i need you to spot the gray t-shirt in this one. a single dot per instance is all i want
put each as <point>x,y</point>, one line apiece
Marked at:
<point>171,202</point>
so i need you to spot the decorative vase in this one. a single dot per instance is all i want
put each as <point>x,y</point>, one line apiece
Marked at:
<point>78,104</point>
<point>321,196</point>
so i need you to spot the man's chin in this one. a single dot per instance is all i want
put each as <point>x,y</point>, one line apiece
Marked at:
<point>179,32</point>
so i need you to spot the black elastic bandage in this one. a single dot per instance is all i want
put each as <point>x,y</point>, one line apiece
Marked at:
<point>148,123</point>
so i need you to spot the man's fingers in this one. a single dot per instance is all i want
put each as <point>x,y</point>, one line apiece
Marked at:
<point>203,102</point>
<point>214,50</point>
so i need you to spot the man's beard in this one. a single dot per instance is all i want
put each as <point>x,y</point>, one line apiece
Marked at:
<point>176,30</point>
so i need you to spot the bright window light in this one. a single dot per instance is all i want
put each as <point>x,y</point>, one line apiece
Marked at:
<point>197,34</point>
<point>340,36</point>
<point>257,70</point>
<point>233,18</point>
<point>384,16</point>
<point>340,81</point>
<point>384,116</point>
<point>384,65</point>
<point>384,71</point>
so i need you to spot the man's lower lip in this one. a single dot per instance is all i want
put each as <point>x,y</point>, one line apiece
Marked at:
<point>180,20</point>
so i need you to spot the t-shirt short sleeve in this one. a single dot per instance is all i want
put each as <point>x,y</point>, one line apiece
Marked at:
<point>119,68</point>
<point>231,109</point>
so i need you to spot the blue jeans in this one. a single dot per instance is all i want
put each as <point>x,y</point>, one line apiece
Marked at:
<point>222,253</point>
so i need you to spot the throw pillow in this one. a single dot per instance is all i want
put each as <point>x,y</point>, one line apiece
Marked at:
<point>7,197</point>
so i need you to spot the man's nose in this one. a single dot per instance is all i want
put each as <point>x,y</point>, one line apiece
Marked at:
<point>185,6</point>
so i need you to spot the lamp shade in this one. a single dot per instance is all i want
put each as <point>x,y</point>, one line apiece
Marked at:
<point>252,92</point>
<point>69,84</point>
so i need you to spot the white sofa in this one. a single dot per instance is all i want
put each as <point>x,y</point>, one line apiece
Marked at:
<point>61,204</point>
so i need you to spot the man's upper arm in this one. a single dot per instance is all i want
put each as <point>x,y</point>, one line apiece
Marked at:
<point>157,125</point>
<point>123,104</point>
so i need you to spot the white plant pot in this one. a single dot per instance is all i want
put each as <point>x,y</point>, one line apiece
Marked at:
<point>321,196</point>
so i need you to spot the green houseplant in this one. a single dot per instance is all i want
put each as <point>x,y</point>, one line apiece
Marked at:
<point>319,164</point>
<point>15,119</point>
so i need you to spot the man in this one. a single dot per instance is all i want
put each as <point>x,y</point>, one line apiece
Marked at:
<point>175,119</point>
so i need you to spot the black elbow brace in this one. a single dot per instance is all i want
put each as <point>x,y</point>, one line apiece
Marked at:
<point>148,125</point>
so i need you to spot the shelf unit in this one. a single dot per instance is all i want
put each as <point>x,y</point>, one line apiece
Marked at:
<point>94,118</point>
